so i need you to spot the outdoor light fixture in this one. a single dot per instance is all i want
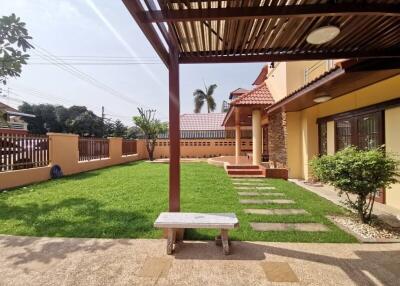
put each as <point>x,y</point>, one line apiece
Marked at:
<point>323,35</point>
<point>323,98</point>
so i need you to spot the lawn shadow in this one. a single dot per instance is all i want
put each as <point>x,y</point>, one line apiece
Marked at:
<point>384,265</point>
<point>76,217</point>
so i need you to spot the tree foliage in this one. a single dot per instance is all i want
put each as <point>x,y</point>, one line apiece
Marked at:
<point>201,97</point>
<point>14,42</point>
<point>358,172</point>
<point>75,119</point>
<point>151,128</point>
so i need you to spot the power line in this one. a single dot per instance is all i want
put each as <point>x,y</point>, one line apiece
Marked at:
<point>47,56</point>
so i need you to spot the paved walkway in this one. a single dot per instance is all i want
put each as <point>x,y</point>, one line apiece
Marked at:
<point>70,261</point>
<point>387,213</point>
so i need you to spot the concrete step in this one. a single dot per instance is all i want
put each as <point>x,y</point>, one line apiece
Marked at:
<point>245,172</point>
<point>236,167</point>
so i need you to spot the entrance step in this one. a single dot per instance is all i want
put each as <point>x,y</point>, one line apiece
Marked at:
<point>247,176</point>
<point>276,211</point>
<point>251,194</point>
<point>314,227</point>
<point>237,167</point>
<point>265,202</point>
<point>245,172</point>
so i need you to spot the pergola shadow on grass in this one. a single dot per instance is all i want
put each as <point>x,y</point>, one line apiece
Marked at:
<point>124,201</point>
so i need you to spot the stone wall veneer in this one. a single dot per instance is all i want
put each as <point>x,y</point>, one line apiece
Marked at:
<point>277,137</point>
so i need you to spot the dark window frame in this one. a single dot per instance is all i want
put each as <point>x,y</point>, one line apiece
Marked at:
<point>320,151</point>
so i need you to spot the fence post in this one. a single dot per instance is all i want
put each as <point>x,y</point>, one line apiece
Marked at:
<point>115,144</point>
<point>63,151</point>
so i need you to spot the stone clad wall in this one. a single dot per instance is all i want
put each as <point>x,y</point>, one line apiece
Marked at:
<point>277,137</point>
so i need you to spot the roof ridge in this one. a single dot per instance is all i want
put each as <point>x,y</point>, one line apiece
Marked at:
<point>249,92</point>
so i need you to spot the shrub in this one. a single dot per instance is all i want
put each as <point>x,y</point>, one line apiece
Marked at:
<point>358,172</point>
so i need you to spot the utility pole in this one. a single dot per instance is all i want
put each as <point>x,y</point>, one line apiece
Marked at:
<point>103,115</point>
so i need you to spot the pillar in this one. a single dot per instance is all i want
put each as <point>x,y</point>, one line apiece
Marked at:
<point>237,142</point>
<point>257,136</point>
<point>174,133</point>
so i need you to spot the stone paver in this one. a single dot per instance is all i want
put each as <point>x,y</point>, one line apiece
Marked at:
<point>75,261</point>
<point>251,194</point>
<point>255,188</point>
<point>261,226</point>
<point>276,211</point>
<point>279,272</point>
<point>263,202</point>
<point>249,184</point>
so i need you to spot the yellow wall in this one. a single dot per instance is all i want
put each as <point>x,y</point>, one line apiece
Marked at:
<point>392,142</point>
<point>330,126</point>
<point>276,81</point>
<point>373,94</point>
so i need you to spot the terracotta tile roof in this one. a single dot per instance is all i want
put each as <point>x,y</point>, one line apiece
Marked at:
<point>202,121</point>
<point>237,92</point>
<point>262,75</point>
<point>259,95</point>
<point>5,107</point>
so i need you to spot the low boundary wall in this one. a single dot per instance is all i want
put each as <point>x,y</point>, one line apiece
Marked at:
<point>63,151</point>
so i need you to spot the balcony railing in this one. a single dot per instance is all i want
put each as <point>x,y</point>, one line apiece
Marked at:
<point>14,125</point>
<point>316,70</point>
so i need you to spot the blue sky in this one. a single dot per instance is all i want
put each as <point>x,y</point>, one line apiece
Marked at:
<point>105,28</point>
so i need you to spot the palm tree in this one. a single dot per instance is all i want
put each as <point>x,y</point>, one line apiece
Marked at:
<point>200,97</point>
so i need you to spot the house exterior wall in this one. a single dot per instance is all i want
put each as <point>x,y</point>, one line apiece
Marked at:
<point>276,81</point>
<point>308,147</point>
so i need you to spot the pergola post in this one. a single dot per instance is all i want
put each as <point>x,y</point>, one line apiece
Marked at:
<point>257,140</point>
<point>174,133</point>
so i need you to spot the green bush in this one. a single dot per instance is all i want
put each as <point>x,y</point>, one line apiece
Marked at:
<point>358,172</point>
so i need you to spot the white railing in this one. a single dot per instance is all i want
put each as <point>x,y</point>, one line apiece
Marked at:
<point>14,125</point>
<point>325,65</point>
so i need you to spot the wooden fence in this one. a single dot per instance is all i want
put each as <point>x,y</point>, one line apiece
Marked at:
<point>23,151</point>
<point>93,149</point>
<point>129,147</point>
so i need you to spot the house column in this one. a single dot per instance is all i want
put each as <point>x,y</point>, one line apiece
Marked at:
<point>174,133</point>
<point>257,139</point>
<point>237,135</point>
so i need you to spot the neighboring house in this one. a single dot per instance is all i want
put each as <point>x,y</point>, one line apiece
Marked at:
<point>12,120</point>
<point>321,107</point>
<point>205,126</point>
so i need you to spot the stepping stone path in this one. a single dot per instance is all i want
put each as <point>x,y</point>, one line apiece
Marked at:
<point>248,184</point>
<point>276,211</point>
<point>261,226</point>
<point>264,202</point>
<point>251,194</point>
<point>258,188</point>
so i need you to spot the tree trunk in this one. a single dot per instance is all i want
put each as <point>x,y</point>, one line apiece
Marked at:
<point>150,150</point>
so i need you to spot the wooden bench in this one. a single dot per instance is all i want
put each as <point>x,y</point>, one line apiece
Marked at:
<point>172,221</point>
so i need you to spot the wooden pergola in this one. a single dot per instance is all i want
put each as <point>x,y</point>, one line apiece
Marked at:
<point>233,31</point>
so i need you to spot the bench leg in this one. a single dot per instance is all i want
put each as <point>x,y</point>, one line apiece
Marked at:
<point>225,241</point>
<point>170,241</point>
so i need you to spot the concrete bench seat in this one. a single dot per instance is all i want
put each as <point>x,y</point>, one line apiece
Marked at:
<point>172,221</point>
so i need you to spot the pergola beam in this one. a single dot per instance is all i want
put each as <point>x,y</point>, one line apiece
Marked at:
<point>195,59</point>
<point>284,11</point>
<point>135,9</point>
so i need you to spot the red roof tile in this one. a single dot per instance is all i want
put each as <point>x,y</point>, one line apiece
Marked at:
<point>260,95</point>
<point>202,121</point>
<point>262,75</point>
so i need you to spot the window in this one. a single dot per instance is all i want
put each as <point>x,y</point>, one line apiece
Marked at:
<point>323,138</point>
<point>364,131</point>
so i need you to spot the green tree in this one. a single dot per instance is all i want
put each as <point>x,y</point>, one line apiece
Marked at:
<point>358,172</point>
<point>119,129</point>
<point>13,46</point>
<point>151,128</point>
<point>201,97</point>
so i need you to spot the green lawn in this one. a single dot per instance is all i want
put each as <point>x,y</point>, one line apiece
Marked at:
<point>123,202</point>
